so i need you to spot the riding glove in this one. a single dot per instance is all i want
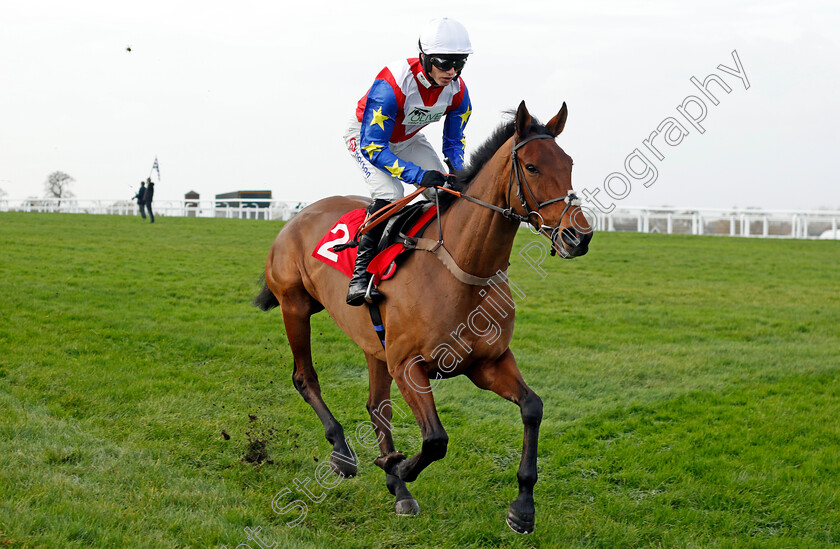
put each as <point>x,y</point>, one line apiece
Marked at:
<point>433,178</point>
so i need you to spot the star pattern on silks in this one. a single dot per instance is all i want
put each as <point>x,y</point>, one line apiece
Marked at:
<point>372,148</point>
<point>396,170</point>
<point>465,116</point>
<point>379,118</point>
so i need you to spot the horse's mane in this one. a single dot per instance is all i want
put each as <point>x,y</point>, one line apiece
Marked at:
<point>485,152</point>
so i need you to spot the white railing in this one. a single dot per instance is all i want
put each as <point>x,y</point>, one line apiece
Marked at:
<point>695,221</point>
<point>241,208</point>
<point>729,222</point>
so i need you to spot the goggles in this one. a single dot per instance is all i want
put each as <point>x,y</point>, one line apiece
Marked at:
<point>446,63</point>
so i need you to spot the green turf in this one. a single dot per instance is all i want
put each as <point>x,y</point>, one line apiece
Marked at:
<point>691,389</point>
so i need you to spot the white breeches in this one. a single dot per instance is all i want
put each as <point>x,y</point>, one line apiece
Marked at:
<point>416,150</point>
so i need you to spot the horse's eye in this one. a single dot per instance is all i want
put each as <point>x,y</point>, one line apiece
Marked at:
<point>531,168</point>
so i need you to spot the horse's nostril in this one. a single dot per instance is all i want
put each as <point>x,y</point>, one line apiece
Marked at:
<point>570,236</point>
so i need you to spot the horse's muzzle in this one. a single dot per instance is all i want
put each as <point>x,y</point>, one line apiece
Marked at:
<point>573,242</point>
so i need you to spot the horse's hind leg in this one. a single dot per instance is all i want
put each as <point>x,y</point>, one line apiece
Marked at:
<point>297,307</point>
<point>503,378</point>
<point>381,410</point>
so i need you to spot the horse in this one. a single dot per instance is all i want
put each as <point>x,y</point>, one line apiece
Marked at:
<point>440,320</point>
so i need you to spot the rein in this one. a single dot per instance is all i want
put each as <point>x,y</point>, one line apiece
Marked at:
<point>384,213</point>
<point>437,248</point>
<point>537,224</point>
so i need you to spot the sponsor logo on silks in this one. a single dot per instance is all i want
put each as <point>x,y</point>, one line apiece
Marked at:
<point>423,80</point>
<point>352,145</point>
<point>362,163</point>
<point>417,116</point>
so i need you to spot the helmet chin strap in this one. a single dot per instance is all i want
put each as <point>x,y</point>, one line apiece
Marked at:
<point>426,65</point>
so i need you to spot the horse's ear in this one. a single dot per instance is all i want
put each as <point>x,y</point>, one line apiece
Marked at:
<point>523,121</point>
<point>556,124</point>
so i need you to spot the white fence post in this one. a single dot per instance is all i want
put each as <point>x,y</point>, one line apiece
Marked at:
<point>621,219</point>
<point>249,208</point>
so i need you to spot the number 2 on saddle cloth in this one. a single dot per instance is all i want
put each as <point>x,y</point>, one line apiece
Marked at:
<point>383,266</point>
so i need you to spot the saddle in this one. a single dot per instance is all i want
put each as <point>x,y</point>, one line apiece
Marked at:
<point>402,222</point>
<point>337,249</point>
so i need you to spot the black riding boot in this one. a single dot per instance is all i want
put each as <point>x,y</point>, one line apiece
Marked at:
<point>361,278</point>
<point>365,252</point>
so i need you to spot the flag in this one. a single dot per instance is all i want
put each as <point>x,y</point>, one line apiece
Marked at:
<point>156,168</point>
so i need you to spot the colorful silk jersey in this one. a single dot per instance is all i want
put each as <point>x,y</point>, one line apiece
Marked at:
<point>402,101</point>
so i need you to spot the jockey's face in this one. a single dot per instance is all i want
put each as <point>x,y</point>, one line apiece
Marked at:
<point>443,78</point>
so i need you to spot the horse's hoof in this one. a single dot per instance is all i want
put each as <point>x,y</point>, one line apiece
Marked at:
<point>342,468</point>
<point>407,508</point>
<point>521,523</point>
<point>389,462</point>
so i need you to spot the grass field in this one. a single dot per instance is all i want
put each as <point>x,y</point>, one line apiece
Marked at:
<point>691,389</point>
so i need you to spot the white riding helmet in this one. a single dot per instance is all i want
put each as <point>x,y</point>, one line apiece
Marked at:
<point>444,36</point>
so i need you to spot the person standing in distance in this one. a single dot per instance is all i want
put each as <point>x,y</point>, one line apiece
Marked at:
<point>140,201</point>
<point>384,137</point>
<point>148,196</point>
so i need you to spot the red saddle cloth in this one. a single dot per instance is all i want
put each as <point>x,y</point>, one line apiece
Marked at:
<point>383,266</point>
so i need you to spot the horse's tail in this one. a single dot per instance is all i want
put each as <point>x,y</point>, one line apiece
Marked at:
<point>265,300</point>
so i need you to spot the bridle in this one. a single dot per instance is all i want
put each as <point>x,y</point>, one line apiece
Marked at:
<point>532,216</point>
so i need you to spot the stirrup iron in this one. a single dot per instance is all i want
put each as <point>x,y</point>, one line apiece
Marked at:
<point>369,292</point>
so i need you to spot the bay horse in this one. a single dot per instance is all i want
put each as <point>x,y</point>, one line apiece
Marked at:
<point>437,326</point>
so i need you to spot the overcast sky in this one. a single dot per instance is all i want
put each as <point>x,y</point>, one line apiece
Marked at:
<point>256,95</point>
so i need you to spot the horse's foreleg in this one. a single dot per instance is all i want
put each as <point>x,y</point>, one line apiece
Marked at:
<point>381,410</point>
<point>413,383</point>
<point>297,307</point>
<point>503,378</point>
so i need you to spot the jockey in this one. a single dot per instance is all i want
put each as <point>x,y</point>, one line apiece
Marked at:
<point>384,137</point>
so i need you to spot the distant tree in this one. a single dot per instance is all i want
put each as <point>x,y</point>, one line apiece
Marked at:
<point>3,193</point>
<point>58,186</point>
